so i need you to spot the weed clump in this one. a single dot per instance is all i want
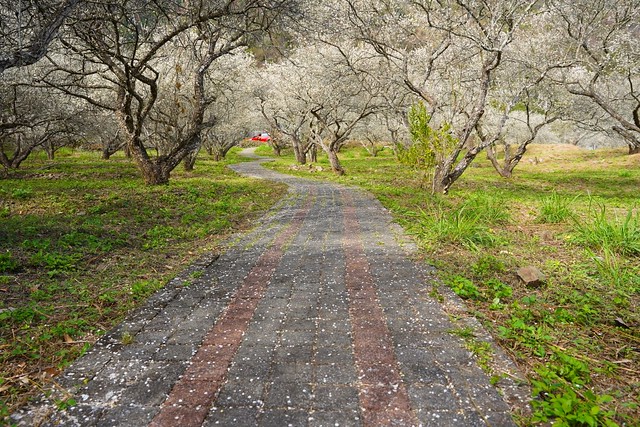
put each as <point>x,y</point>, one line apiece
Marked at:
<point>555,209</point>
<point>600,231</point>
<point>470,223</point>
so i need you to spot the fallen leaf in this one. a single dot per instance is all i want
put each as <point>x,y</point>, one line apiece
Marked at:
<point>620,322</point>
<point>68,339</point>
<point>52,371</point>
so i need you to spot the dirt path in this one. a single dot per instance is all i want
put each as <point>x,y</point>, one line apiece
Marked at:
<point>317,317</point>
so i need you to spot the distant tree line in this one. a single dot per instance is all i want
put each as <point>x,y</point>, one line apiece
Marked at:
<point>439,82</point>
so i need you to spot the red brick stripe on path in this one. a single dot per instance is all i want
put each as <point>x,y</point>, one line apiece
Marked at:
<point>193,395</point>
<point>383,396</point>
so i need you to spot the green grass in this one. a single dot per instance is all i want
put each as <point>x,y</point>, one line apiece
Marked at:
<point>603,231</point>
<point>574,215</point>
<point>83,241</point>
<point>555,209</point>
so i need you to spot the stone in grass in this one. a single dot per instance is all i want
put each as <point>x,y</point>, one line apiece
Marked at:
<point>531,276</point>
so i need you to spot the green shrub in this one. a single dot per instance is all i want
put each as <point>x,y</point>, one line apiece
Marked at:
<point>429,146</point>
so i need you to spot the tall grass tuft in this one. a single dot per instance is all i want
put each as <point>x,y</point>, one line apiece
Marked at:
<point>465,224</point>
<point>620,235</point>
<point>554,209</point>
<point>486,208</point>
<point>612,270</point>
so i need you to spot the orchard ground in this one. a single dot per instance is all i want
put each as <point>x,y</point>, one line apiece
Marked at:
<point>83,242</point>
<point>570,212</point>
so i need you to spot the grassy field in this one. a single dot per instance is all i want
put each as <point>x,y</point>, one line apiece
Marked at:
<point>569,212</point>
<point>83,241</point>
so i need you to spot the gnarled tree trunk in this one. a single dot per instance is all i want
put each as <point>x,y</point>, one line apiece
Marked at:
<point>312,152</point>
<point>189,160</point>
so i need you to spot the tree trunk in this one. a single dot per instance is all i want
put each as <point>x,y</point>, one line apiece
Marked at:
<point>4,160</point>
<point>335,162</point>
<point>301,158</point>
<point>444,177</point>
<point>109,148</point>
<point>189,160</point>
<point>313,153</point>
<point>154,171</point>
<point>504,170</point>
<point>50,149</point>
<point>20,154</point>
<point>220,152</point>
<point>155,174</point>
<point>188,163</point>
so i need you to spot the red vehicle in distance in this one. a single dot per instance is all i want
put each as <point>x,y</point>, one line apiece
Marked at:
<point>262,137</point>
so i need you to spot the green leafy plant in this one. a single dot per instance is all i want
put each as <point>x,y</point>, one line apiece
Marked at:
<point>499,289</point>
<point>429,145</point>
<point>498,293</point>
<point>531,338</point>
<point>4,409</point>
<point>65,404</point>
<point>197,274</point>
<point>36,244</point>
<point>7,263</point>
<point>144,288</point>
<point>56,263</point>
<point>21,316</point>
<point>465,332</point>
<point>464,287</point>
<point>21,193</point>
<point>85,242</point>
<point>126,338</point>
<point>482,350</point>
<point>159,236</point>
<point>564,400</point>
<point>487,265</point>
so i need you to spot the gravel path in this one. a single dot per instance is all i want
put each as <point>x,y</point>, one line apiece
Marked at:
<point>317,317</point>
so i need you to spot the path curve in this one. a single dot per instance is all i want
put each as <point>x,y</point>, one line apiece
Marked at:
<point>316,317</point>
